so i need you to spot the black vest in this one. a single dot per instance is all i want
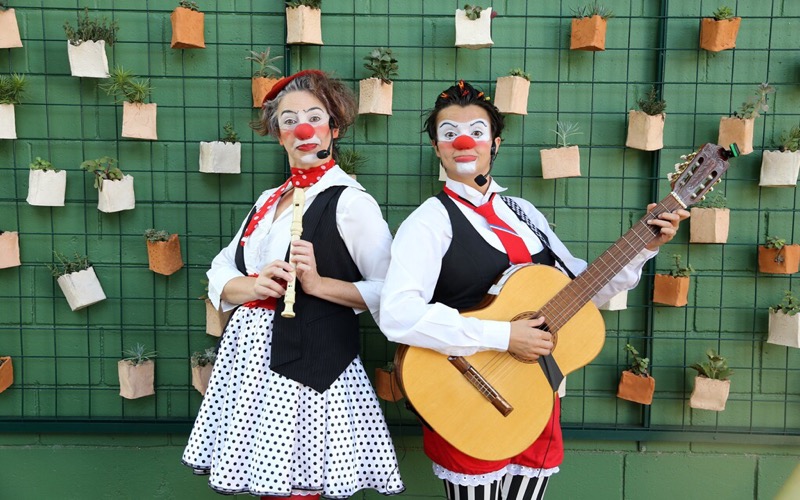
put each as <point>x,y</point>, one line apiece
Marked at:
<point>471,265</point>
<point>316,346</point>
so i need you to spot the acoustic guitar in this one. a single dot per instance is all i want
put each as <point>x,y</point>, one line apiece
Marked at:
<point>492,405</point>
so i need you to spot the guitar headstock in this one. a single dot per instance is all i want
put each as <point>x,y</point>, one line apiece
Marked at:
<point>699,172</point>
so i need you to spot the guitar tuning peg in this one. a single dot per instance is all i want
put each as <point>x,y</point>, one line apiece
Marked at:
<point>709,190</point>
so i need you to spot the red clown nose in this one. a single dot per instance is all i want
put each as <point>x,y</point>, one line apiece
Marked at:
<point>304,131</point>
<point>464,142</point>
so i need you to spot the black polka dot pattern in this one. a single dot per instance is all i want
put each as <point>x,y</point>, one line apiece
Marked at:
<point>258,432</point>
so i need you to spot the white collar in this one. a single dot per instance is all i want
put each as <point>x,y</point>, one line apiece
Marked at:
<point>471,194</point>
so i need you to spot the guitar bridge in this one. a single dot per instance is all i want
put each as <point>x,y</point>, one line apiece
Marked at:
<point>481,384</point>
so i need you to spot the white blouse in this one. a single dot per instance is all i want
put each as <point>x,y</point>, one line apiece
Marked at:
<point>358,219</point>
<point>417,252</point>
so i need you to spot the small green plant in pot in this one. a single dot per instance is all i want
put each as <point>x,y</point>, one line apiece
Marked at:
<point>115,189</point>
<point>386,384</point>
<point>646,125</point>
<point>563,160</point>
<point>202,365</point>
<point>511,92</point>
<point>719,32</point>
<point>136,372</point>
<point>86,45</point>
<point>739,127</point>
<point>163,252</point>
<point>673,289</point>
<point>138,117</point>
<point>780,168</point>
<point>710,220</point>
<point>775,256</point>
<point>46,184</point>
<point>265,77</point>
<point>12,88</point>
<point>589,27</point>
<point>9,29</point>
<point>77,279</point>
<point>350,161</point>
<point>636,384</point>
<point>223,156</point>
<point>474,27</point>
<point>784,322</point>
<point>712,383</point>
<point>375,92</point>
<point>303,22</point>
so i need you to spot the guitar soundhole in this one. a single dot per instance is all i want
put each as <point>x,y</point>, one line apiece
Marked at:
<point>533,315</point>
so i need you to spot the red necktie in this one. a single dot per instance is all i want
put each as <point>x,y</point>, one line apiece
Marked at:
<point>299,178</point>
<point>515,248</point>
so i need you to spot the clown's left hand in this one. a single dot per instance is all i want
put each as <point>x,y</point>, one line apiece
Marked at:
<point>668,222</point>
<point>302,256</point>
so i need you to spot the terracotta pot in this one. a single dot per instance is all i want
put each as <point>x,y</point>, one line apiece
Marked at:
<point>165,256</point>
<point>374,97</point>
<point>81,289</point>
<point>221,157</point>
<point>386,385</point>
<point>709,225</point>
<point>636,388</point>
<point>645,132</point>
<point>187,29</point>
<point>303,25</point>
<point>9,30</point>
<point>588,33</point>
<point>9,249</point>
<point>709,394</point>
<point>46,188</point>
<point>6,373</point>
<point>718,35</point>
<point>783,261</point>
<point>139,121</point>
<point>475,34</point>
<point>8,122</point>
<point>784,329</point>
<point>261,87</point>
<point>511,95</point>
<point>738,130</point>
<point>216,319</point>
<point>116,195</point>
<point>618,302</point>
<point>200,377</point>
<point>670,290</point>
<point>561,162</point>
<point>779,168</point>
<point>136,381</point>
<point>88,60</point>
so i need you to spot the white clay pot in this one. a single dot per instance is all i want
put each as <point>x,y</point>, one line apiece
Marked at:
<point>561,162</point>
<point>303,26</point>
<point>221,157</point>
<point>8,125</point>
<point>81,288</point>
<point>88,60</point>
<point>779,169</point>
<point>474,34</point>
<point>46,188</point>
<point>784,329</point>
<point>374,97</point>
<point>116,195</point>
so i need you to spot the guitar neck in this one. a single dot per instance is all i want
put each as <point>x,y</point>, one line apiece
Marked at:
<point>574,296</point>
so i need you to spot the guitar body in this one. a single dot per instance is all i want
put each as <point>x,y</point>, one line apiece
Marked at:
<point>459,412</point>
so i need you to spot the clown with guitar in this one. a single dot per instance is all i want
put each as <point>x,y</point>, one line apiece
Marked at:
<point>446,256</point>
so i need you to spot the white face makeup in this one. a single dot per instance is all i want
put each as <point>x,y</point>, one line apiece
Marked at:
<point>304,126</point>
<point>476,129</point>
<point>289,119</point>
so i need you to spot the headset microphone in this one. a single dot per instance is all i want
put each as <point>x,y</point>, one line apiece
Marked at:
<point>481,179</point>
<point>324,153</point>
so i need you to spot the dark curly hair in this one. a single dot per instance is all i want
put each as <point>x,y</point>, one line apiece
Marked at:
<point>463,94</point>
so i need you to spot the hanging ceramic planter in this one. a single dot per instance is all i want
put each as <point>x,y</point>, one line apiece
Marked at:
<point>78,281</point>
<point>136,373</point>
<point>265,77</point>
<point>719,32</point>
<point>736,130</point>
<point>646,125</point>
<point>8,122</point>
<point>115,189</point>
<point>636,384</point>
<point>474,27</point>
<point>304,23</point>
<point>6,373</point>
<point>386,386</point>
<point>784,322</point>
<point>163,252</point>
<point>138,118</point>
<point>618,302</point>
<point>9,249</point>
<point>188,27</point>
<point>563,160</point>
<point>223,156</point>
<point>776,257</point>
<point>511,93</point>
<point>12,87</point>
<point>712,384</point>
<point>710,220</point>
<point>216,319</point>
<point>86,46</point>
<point>673,289</point>
<point>9,29</point>
<point>202,366</point>
<point>589,27</point>
<point>46,184</point>
<point>375,93</point>
<point>779,169</point>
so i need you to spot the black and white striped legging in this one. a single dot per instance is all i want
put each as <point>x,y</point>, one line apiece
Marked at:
<point>507,488</point>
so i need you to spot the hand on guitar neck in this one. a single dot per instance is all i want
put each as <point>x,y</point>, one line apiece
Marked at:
<point>668,222</point>
<point>527,341</point>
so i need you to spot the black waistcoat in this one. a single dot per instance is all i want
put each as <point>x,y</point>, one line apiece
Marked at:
<point>471,265</point>
<point>316,346</point>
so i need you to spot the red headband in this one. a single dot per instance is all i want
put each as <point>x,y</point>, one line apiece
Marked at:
<point>283,82</point>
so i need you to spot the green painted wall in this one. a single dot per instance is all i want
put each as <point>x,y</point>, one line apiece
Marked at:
<point>65,376</point>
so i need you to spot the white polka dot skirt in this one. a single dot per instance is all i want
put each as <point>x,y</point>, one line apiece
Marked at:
<point>260,433</point>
